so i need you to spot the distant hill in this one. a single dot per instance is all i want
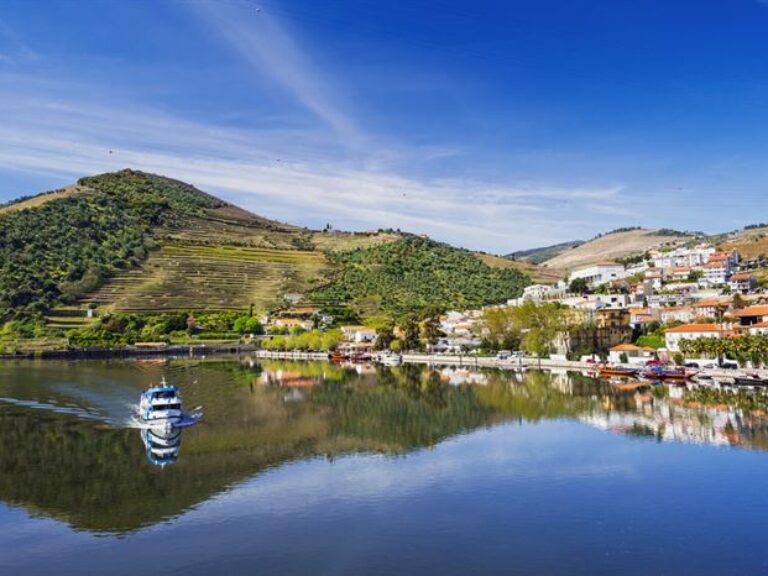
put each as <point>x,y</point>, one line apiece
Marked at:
<point>613,245</point>
<point>539,255</point>
<point>136,242</point>
<point>750,242</point>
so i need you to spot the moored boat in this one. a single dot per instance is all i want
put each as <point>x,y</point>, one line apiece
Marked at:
<point>750,380</point>
<point>662,373</point>
<point>618,371</point>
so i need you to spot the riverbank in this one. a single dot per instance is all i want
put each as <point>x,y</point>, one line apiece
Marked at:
<point>131,352</point>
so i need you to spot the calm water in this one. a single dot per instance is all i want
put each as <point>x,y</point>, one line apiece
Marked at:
<point>316,469</point>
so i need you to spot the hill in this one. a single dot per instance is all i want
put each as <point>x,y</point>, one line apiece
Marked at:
<point>613,245</point>
<point>415,272</point>
<point>539,255</point>
<point>751,242</point>
<point>141,243</point>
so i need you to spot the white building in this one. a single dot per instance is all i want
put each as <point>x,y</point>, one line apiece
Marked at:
<point>683,257</point>
<point>539,292</point>
<point>677,314</point>
<point>358,334</point>
<point>673,336</point>
<point>743,282</point>
<point>600,273</point>
<point>634,354</point>
<point>716,273</point>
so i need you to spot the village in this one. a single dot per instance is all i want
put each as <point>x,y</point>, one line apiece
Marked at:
<point>670,304</point>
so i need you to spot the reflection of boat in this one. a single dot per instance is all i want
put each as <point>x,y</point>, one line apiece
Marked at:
<point>163,445</point>
<point>622,372</point>
<point>748,380</point>
<point>160,405</point>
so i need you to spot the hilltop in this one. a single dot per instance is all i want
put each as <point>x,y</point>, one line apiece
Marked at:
<point>141,243</point>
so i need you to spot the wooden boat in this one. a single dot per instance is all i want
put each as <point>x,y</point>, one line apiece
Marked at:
<point>621,372</point>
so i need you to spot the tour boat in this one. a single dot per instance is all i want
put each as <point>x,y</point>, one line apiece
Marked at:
<point>160,406</point>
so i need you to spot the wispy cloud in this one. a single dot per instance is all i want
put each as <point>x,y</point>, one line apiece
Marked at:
<point>72,138</point>
<point>261,40</point>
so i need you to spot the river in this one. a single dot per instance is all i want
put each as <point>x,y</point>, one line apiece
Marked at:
<point>311,468</point>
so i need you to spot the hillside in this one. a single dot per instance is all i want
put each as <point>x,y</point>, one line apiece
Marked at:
<point>749,243</point>
<point>539,255</point>
<point>611,246</point>
<point>415,272</point>
<point>136,242</point>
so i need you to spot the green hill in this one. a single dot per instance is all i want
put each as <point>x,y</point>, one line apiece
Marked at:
<point>415,272</point>
<point>135,242</point>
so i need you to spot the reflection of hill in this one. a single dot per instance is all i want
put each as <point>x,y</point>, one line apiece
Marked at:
<point>97,478</point>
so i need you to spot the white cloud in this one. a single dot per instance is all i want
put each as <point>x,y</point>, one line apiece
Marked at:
<point>294,175</point>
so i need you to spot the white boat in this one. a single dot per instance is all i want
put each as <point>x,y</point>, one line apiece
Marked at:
<point>389,359</point>
<point>160,406</point>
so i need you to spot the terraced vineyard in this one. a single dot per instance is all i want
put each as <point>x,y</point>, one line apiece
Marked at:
<point>197,277</point>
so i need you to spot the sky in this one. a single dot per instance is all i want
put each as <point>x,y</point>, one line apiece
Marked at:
<point>493,125</point>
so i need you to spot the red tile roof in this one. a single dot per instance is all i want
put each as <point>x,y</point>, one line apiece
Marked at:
<point>751,311</point>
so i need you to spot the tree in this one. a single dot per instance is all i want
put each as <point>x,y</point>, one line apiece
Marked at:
<point>540,325</point>
<point>578,286</point>
<point>410,330</point>
<point>430,330</point>
<point>385,335</point>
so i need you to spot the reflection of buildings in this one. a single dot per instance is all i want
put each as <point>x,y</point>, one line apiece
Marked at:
<point>456,376</point>
<point>162,445</point>
<point>671,420</point>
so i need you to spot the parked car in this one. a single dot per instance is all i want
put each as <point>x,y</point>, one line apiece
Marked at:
<point>691,365</point>
<point>503,354</point>
<point>729,366</point>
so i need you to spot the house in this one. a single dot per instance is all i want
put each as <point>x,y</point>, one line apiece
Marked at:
<point>759,329</point>
<point>680,272</point>
<point>634,354</point>
<point>642,316</point>
<point>683,314</point>
<point>673,336</point>
<point>656,277</point>
<point>752,315</point>
<point>539,292</point>
<point>358,334</point>
<point>709,308</point>
<point>682,257</point>
<point>608,327</point>
<point>743,282</point>
<point>716,272</point>
<point>600,273</point>
<point>291,323</point>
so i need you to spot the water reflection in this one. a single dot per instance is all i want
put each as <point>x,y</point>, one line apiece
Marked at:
<point>78,462</point>
<point>162,444</point>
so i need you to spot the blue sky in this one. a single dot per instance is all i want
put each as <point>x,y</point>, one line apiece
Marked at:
<point>492,125</point>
